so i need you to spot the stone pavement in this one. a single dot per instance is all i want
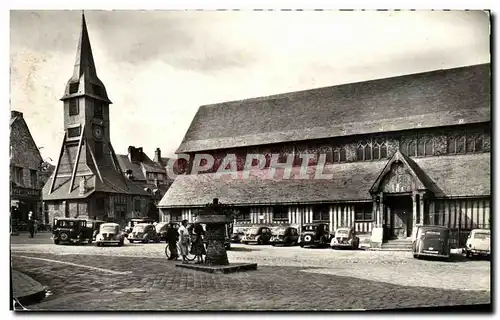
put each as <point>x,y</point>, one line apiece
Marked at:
<point>25,289</point>
<point>155,284</point>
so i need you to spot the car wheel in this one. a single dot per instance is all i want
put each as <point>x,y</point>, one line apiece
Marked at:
<point>120,243</point>
<point>244,242</point>
<point>90,241</point>
<point>56,241</point>
<point>131,241</point>
<point>302,245</point>
<point>468,254</point>
<point>64,236</point>
<point>145,240</point>
<point>415,256</point>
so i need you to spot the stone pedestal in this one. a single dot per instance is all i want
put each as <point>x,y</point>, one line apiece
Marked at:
<point>215,216</point>
<point>215,234</point>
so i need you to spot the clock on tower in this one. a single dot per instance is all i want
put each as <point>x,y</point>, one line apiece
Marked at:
<point>98,131</point>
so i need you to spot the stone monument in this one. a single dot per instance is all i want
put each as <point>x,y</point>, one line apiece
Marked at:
<point>215,216</point>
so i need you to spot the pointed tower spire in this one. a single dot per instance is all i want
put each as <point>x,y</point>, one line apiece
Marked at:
<point>84,62</point>
<point>84,80</point>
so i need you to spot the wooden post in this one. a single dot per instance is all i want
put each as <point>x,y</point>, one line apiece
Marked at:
<point>414,216</point>
<point>381,210</point>
<point>422,209</point>
<point>54,175</point>
<point>75,166</point>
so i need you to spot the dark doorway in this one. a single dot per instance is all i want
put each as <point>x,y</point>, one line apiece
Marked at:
<point>400,216</point>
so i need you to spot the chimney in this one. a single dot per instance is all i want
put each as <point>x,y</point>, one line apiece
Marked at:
<point>157,158</point>
<point>131,151</point>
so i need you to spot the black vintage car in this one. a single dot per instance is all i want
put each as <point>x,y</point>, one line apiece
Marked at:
<point>315,235</point>
<point>431,241</point>
<point>144,232</point>
<point>285,236</point>
<point>72,230</point>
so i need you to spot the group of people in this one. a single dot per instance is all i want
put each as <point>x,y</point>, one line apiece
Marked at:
<point>182,237</point>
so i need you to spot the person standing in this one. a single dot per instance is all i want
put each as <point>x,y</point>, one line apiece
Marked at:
<point>198,248</point>
<point>31,224</point>
<point>172,238</point>
<point>184,241</point>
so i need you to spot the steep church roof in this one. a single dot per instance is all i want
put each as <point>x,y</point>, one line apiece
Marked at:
<point>423,100</point>
<point>84,80</point>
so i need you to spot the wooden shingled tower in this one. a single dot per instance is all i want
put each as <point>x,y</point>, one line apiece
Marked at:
<point>87,167</point>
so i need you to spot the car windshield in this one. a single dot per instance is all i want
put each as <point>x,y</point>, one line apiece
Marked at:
<point>66,223</point>
<point>481,235</point>
<point>139,228</point>
<point>279,231</point>
<point>108,228</point>
<point>342,232</point>
<point>253,231</point>
<point>436,234</point>
<point>310,228</point>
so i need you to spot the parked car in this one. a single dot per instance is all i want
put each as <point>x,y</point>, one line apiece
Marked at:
<point>259,235</point>
<point>131,223</point>
<point>161,230</point>
<point>431,241</point>
<point>71,230</point>
<point>238,234</point>
<point>285,236</point>
<point>109,233</point>
<point>345,238</point>
<point>315,234</point>
<point>478,243</point>
<point>95,226</point>
<point>143,232</point>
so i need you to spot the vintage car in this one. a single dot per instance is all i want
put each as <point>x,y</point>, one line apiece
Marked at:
<point>71,230</point>
<point>431,241</point>
<point>132,222</point>
<point>478,243</point>
<point>315,234</point>
<point>285,236</point>
<point>259,235</point>
<point>345,238</point>
<point>161,230</point>
<point>237,234</point>
<point>95,226</point>
<point>143,232</point>
<point>109,233</point>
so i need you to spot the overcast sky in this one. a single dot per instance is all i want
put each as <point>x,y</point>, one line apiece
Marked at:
<point>160,66</point>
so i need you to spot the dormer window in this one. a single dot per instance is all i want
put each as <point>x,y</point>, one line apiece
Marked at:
<point>73,107</point>
<point>73,88</point>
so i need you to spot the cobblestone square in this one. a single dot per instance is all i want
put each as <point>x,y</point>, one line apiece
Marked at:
<point>138,277</point>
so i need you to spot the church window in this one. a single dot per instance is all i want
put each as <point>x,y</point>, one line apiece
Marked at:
<point>74,132</point>
<point>73,88</point>
<point>421,147</point>
<point>360,151</point>
<point>429,147</point>
<point>342,154</point>
<point>478,143</point>
<point>379,150</point>
<point>368,151</point>
<point>73,107</point>
<point>456,144</point>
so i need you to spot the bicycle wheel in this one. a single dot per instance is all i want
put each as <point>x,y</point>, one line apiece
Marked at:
<point>190,256</point>
<point>167,252</point>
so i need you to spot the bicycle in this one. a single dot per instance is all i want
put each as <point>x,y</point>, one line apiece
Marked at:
<point>189,257</point>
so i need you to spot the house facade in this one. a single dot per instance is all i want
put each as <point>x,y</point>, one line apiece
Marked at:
<point>393,153</point>
<point>150,175</point>
<point>88,181</point>
<point>25,171</point>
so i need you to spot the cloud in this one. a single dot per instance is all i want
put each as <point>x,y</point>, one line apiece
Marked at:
<point>160,66</point>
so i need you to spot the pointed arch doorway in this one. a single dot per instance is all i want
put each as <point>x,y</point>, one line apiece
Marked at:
<point>401,195</point>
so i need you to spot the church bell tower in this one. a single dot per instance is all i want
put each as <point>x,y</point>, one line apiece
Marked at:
<point>87,167</point>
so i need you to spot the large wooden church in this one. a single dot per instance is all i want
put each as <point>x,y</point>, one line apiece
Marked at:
<point>88,181</point>
<point>403,151</point>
